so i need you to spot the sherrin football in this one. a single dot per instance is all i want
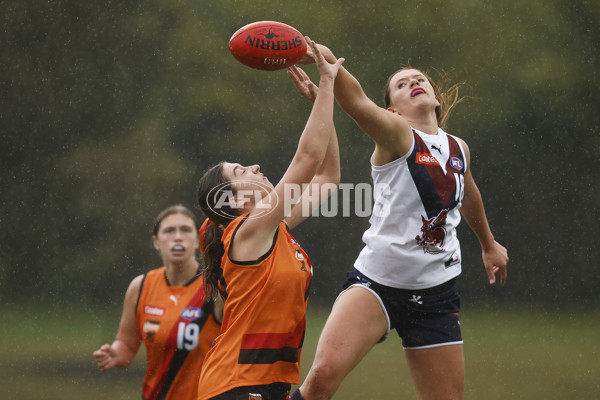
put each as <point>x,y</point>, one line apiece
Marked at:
<point>267,45</point>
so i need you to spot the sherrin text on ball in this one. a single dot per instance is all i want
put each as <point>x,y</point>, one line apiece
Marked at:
<point>267,45</point>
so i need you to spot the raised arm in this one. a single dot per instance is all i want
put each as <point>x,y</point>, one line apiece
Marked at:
<point>390,132</point>
<point>256,233</point>
<point>327,177</point>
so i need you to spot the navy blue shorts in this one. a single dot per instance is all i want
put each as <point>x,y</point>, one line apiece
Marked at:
<point>423,318</point>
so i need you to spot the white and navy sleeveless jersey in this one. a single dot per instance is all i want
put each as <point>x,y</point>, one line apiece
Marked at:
<point>412,242</point>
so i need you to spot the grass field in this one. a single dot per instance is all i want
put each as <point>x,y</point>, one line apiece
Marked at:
<point>519,354</point>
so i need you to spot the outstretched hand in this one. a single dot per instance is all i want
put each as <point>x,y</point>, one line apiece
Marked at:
<point>303,83</point>
<point>301,80</point>
<point>308,57</point>
<point>325,68</point>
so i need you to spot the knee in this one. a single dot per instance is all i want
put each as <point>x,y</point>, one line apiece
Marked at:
<point>322,382</point>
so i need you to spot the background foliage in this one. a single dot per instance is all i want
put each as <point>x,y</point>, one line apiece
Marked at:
<point>111,110</point>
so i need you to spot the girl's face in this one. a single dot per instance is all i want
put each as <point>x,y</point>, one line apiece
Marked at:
<point>410,89</point>
<point>177,238</point>
<point>248,182</point>
<point>239,175</point>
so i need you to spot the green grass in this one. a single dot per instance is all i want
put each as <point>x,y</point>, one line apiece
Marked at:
<point>525,354</point>
<point>47,354</point>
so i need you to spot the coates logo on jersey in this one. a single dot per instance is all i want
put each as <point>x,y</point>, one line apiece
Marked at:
<point>427,159</point>
<point>154,310</point>
<point>191,313</point>
<point>456,163</point>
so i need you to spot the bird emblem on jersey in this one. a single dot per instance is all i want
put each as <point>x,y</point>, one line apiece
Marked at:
<point>433,233</point>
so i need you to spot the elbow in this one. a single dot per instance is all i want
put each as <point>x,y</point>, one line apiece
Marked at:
<point>335,178</point>
<point>125,360</point>
<point>311,158</point>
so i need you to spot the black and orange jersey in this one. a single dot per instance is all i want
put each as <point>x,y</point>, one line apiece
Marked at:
<point>178,328</point>
<point>264,317</point>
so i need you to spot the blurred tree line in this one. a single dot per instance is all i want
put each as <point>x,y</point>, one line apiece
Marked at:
<point>111,110</point>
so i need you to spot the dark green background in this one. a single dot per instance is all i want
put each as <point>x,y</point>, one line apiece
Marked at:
<point>111,110</point>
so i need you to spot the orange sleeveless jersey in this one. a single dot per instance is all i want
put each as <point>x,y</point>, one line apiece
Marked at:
<point>178,328</point>
<point>264,317</point>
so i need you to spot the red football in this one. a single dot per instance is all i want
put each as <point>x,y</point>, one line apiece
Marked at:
<point>267,45</point>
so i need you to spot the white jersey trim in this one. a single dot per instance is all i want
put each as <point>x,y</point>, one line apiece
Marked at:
<point>433,345</point>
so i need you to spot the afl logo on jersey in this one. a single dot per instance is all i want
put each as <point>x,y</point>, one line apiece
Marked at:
<point>456,163</point>
<point>191,313</point>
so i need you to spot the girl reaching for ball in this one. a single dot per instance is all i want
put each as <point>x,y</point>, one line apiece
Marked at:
<point>254,263</point>
<point>404,277</point>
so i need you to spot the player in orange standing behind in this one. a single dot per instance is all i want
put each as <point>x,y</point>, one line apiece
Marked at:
<point>254,262</point>
<point>167,309</point>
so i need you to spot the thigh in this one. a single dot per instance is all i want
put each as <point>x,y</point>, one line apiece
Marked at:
<point>437,372</point>
<point>356,323</point>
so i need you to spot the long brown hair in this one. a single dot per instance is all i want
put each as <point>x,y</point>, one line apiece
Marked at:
<point>446,91</point>
<point>213,246</point>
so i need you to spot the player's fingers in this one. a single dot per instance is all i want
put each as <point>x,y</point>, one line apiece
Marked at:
<point>291,70</point>
<point>106,363</point>
<point>299,74</point>
<point>315,49</point>
<point>293,74</point>
<point>302,74</point>
<point>101,363</point>
<point>101,352</point>
<point>503,275</point>
<point>491,275</point>
<point>299,83</point>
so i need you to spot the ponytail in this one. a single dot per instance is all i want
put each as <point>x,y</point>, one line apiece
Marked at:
<point>213,249</point>
<point>446,91</point>
<point>211,259</point>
